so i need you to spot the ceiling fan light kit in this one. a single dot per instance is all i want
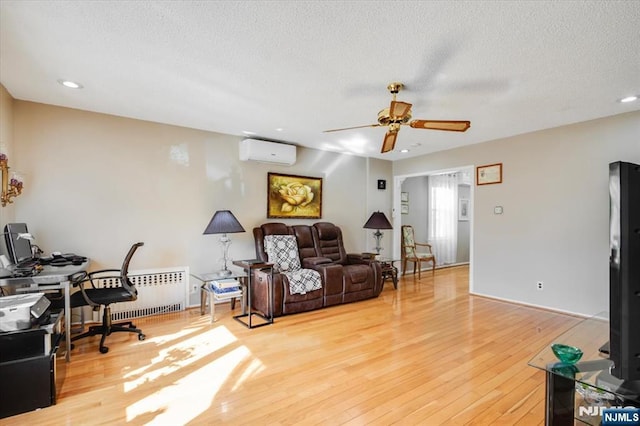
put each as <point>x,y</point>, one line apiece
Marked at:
<point>398,114</point>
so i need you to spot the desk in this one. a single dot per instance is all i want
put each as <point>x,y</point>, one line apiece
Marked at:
<point>590,377</point>
<point>50,278</point>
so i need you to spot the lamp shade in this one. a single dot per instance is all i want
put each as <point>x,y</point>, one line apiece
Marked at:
<point>223,222</point>
<point>378,221</point>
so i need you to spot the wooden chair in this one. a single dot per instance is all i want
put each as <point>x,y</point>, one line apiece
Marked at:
<point>410,253</point>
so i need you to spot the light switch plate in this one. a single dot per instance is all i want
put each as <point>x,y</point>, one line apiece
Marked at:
<point>497,210</point>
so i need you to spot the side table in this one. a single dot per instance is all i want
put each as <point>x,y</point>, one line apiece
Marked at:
<point>207,294</point>
<point>246,318</point>
<point>579,392</point>
<point>388,270</point>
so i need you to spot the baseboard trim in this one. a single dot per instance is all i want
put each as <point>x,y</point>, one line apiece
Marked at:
<point>531,305</point>
<point>452,265</point>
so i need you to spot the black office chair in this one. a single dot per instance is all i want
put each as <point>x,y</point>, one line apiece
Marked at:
<point>96,297</point>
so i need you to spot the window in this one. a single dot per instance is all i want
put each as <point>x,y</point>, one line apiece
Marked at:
<point>443,216</point>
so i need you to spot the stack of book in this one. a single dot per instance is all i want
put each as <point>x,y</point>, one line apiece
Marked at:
<point>227,288</point>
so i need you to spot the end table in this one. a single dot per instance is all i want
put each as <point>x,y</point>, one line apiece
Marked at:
<point>388,270</point>
<point>246,318</point>
<point>207,293</point>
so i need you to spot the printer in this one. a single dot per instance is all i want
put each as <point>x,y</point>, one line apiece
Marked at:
<point>17,312</point>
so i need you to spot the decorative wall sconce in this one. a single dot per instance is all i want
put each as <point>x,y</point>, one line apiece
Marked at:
<point>10,187</point>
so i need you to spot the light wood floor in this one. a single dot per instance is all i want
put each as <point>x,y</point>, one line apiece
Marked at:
<point>427,353</point>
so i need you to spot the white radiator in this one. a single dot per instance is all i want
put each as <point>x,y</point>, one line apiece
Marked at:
<point>159,291</point>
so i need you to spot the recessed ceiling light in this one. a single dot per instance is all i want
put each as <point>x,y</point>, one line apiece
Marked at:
<point>279,129</point>
<point>629,99</point>
<point>70,84</point>
<point>246,132</point>
<point>404,150</point>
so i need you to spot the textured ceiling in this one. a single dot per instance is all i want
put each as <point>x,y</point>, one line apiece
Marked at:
<point>288,70</point>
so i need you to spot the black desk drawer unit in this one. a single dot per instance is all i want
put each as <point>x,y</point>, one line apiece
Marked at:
<point>28,370</point>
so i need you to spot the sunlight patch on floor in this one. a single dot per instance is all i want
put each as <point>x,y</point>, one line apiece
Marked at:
<point>182,354</point>
<point>190,395</point>
<point>252,369</point>
<point>166,338</point>
<point>159,341</point>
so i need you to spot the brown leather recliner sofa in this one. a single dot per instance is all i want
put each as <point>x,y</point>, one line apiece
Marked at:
<point>345,277</point>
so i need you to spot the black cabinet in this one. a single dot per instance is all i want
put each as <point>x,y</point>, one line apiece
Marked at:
<point>29,373</point>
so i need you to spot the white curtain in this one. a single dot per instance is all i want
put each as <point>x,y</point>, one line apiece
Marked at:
<point>443,217</point>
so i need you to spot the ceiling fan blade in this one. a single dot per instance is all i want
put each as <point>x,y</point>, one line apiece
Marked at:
<point>449,125</point>
<point>399,109</point>
<point>349,128</point>
<point>389,142</point>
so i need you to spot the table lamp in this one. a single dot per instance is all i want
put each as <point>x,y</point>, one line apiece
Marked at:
<point>378,221</point>
<point>224,222</point>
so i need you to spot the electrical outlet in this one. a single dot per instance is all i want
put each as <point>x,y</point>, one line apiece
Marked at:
<point>539,285</point>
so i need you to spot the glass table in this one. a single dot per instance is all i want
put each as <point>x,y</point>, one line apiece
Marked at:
<point>207,293</point>
<point>583,390</point>
<point>388,270</point>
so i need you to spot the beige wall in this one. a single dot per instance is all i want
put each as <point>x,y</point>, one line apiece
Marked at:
<point>556,210</point>
<point>98,183</point>
<point>417,189</point>
<point>379,200</point>
<point>6,146</point>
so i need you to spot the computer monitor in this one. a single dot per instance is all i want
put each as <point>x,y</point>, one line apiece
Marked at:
<point>18,247</point>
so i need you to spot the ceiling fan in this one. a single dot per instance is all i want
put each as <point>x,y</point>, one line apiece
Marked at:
<point>398,114</point>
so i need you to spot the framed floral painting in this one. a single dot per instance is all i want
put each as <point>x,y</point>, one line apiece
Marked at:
<point>291,196</point>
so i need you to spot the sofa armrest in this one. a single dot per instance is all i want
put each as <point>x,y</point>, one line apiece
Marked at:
<point>366,259</point>
<point>332,277</point>
<point>312,262</point>
<point>360,258</point>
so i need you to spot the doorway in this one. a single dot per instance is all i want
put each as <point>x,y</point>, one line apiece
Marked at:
<point>411,206</point>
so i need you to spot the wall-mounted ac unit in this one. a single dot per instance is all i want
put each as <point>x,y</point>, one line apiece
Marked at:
<point>267,152</point>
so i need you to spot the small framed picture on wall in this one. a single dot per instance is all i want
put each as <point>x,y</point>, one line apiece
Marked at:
<point>489,174</point>
<point>463,209</point>
<point>404,208</point>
